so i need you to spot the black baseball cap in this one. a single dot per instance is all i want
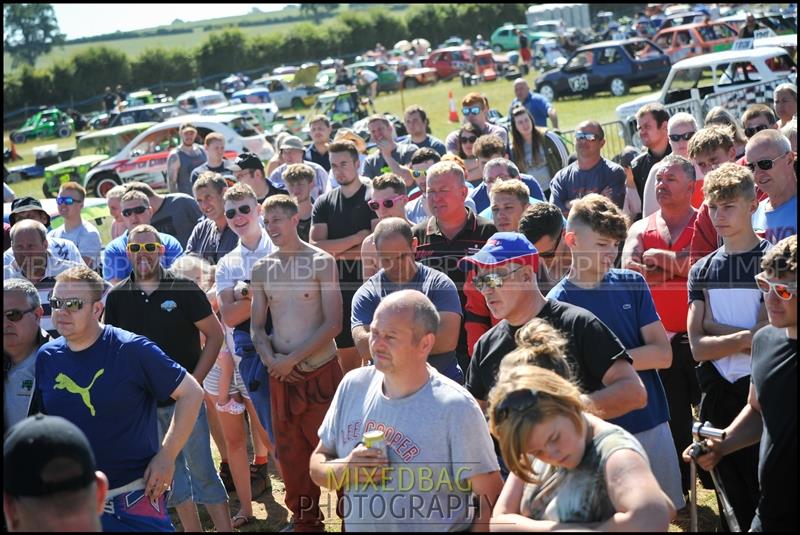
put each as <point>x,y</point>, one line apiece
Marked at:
<point>248,160</point>
<point>26,204</point>
<point>43,455</point>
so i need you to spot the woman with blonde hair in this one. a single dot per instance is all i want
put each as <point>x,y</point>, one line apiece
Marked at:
<point>569,469</point>
<point>721,116</point>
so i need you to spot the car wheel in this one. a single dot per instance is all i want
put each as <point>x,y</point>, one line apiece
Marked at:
<point>548,92</point>
<point>101,185</point>
<point>18,138</point>
<point>497,48</point>
<point>297,103</point>
<point>64,131</point>
<point>410,83</point>
<point>618,87</point>
<point>46,191</point>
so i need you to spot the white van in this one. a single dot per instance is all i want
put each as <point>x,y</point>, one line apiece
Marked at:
<point>201,99</point>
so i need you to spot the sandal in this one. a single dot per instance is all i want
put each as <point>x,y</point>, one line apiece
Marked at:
<point>241,520</point>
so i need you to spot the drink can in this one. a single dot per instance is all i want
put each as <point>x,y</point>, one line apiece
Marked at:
<point>375,439</point>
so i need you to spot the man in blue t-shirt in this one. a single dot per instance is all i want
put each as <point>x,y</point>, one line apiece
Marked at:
<point>621,299</point>
<point>107,381</point>
<point>136,210</point>
<point>725,309</point>
<point>501,169</point>
<point>538,106</point>
<point>772,162</point>
<point>396,249</point>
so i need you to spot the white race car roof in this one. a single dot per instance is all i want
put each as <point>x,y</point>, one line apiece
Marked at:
<point>765,52</point>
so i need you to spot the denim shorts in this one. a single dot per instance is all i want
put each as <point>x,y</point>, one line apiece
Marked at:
<point>196,477</point>
<point>255,378</point>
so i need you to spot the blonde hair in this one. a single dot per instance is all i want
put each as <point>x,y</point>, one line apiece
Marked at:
<point>297,172</point>
<point>190,263</point>
<point>280,202</point>
<point>600,214</point>
<point>728,182</point>
<point>240,192</point>
<point>556,397</point>
<point>513,186</point>
<point>781,259</point>
<point>73,186</point>
<point>86,275</point>
<point>538,344</point>
<point>709,139</point>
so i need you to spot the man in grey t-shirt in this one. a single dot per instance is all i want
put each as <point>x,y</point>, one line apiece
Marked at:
<point>438,449</point>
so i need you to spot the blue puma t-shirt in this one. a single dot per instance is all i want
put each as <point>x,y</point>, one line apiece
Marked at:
<point>109,391</point>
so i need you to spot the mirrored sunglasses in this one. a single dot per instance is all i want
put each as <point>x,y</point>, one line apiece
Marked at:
<point>69,201</point>
<point>71,304</point>
<point>782,290</point>
<point>491,280</point>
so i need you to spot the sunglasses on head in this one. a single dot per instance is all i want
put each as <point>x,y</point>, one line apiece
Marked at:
<point>16,315</point>
<point>127,212</point>
<point>516,401</point>
<point>471,110</point>
<point>243,209</point>
<point>69,201</point>
<point>387,203</point>
<point>677,137</point>
<point>588,136</point>
<point>148,247</point>
<point>783,290</point>
<point>491,280</point>
<point>72,303</point>
<point>765,165</point>
<point>552,253</point>
<point>468,139</point>
<point>750,132</point>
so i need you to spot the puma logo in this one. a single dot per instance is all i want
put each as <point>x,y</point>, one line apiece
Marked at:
<point>65,383</point>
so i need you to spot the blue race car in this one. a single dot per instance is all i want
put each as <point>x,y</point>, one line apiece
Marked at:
<point>612,66</point>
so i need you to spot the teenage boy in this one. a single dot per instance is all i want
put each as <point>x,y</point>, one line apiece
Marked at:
<point>80,232</point>
<point>771,411</point>
<point>725,307</point>
<point>621,299</point>
<point>299,181</point>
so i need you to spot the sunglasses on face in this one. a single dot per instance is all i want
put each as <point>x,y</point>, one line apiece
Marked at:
<point>782,290</point>
<point>243,209</point>
<point>148,247</point>
<point>387,203</point>
<point>764,165</point>
<point>588,136</point>
<point>552,253</point>
<point>71,304</point>
<point>416,173</point>
<point>69,201</point>
<point>750,132</point>
<point>468,139</point>
<point>127,212</point>
<point>471,110</point>
<point>677,137</point>
<point>517,401</point>
<point>491,280</point>
<point>15,315</point>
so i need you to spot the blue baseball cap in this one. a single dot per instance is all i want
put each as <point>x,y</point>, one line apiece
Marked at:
<point>502,248</point>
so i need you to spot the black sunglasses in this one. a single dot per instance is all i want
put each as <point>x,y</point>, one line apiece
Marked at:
<point>677,137</point>
<point>127,212</point>
<point>517,401</point>
<point>750,132</point>
<point>552,252</point>
<point>387,203</point>
<point>243,209</point>
<point>470,139</point>
<point>765,165</point>
<point>16,315</point>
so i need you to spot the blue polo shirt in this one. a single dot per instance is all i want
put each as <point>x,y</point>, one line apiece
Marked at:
<point>537,105</point>
<point>480,195</point>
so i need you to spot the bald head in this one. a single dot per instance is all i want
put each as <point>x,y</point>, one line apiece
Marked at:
<point>416,307</point>
<point>28,228</point>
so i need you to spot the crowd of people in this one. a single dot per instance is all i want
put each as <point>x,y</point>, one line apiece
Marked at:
<point>528,333</point>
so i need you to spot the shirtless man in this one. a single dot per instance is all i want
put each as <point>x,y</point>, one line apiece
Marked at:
<point>300,285</point>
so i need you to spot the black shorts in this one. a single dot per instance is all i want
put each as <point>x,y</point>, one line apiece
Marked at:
<point>344,339</point>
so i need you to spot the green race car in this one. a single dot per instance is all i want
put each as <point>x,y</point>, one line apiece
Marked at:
<point>48,123</point>
<point>92,149</point>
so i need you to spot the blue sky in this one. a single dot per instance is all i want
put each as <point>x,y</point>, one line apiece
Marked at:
<point>84,20</point>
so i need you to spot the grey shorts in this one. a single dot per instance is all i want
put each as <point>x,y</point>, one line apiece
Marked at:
<point>211,382</point>
<point>660,448</point>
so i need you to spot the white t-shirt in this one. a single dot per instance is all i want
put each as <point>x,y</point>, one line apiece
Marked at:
<point>86,237</point>
<point>238,264</point>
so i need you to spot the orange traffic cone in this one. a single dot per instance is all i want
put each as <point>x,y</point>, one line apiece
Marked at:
<point>14,155</point>
<point>453,113</point>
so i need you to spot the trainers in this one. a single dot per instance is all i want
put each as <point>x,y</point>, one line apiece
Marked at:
<point>226,477</point>
<point>259,479</point>
<point>232,407</point>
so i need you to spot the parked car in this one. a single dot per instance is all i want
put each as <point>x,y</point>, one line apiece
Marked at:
<point>687,40</point>
<point>260,115</point>
<point>286,96</point>
<point>734,78</point>
<point>145,157</point>
<point>415,76</point>
<point>253,95</point>
<point>343,108</point>
<point>388,79</point>
<point>681,18</point>
<point>778,23</point>
<point>91,149</point>
<point>142,114</point>
<point>449,62</point>
<point>606,66</point>
<point>48,123</point>
<point>505,37</point>
<point>201,99</point>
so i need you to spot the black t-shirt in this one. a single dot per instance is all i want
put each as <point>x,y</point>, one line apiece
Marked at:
<point>167,316</point>
<point>344,217</point>
<point>225,169</point>
<point>774,375</point>
<point>208,242</point>
<point>313,155</point>
<point>592,348</point>
<point>304,229</point>
<point>641,166</point>
<point>272,190</point>
<point>177,216</point>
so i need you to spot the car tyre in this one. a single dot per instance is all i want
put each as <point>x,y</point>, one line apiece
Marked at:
<point>100,185</point>
<point>410,83</point>
<point>18,138</point>
<point>64,131</point>
<point>547,91</point>
<point>497,48</point>
<point>46,191</point>
<point>618,87</point>
<point>297,103</point>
